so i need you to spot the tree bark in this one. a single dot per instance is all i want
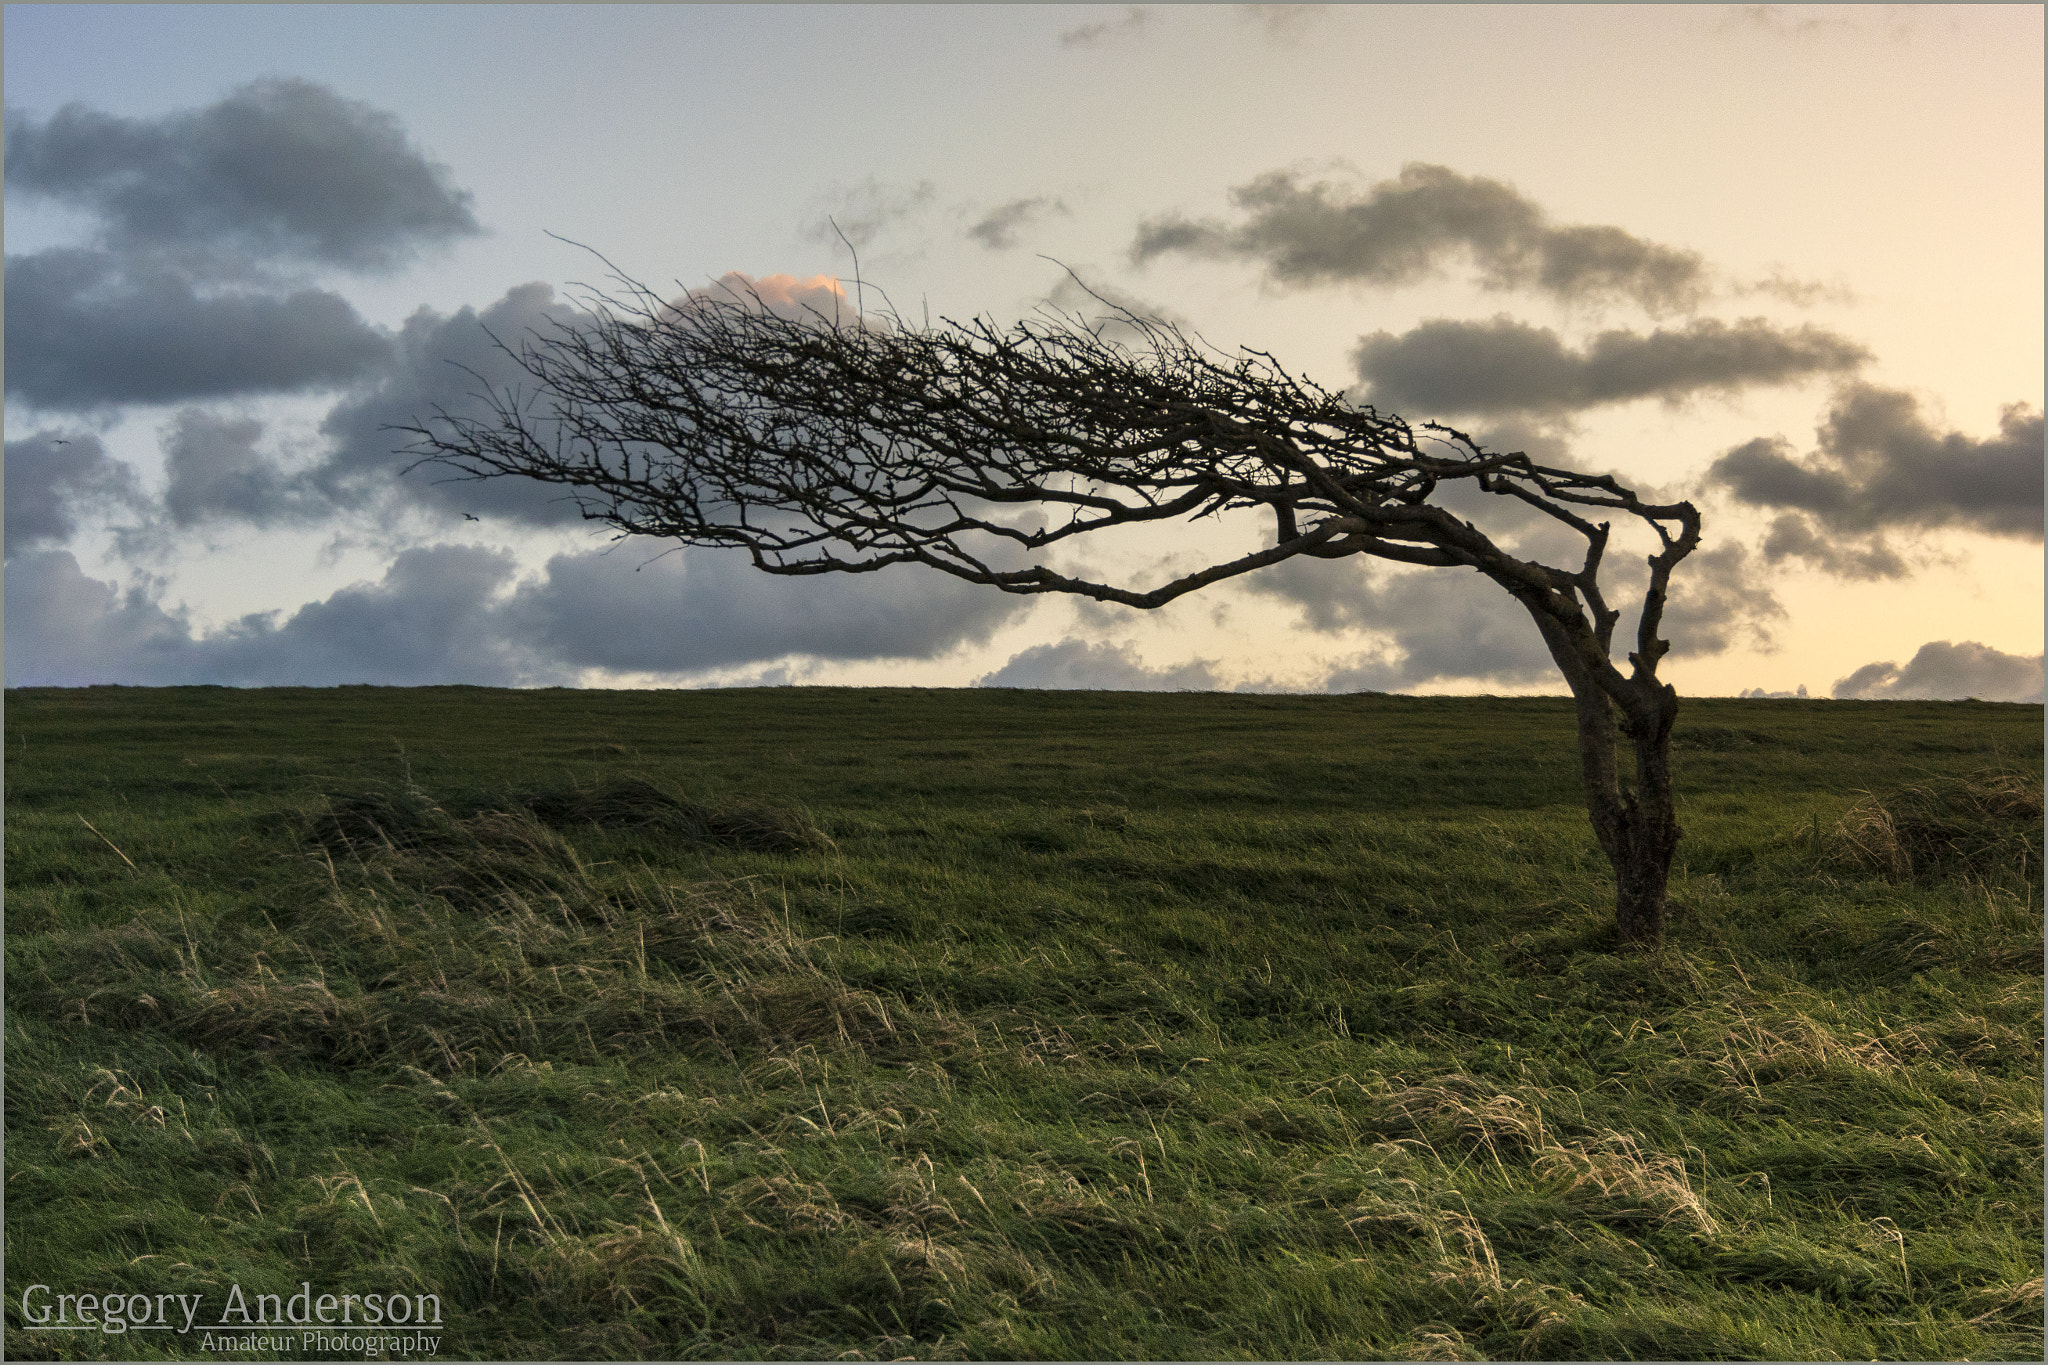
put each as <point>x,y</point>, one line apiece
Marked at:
<point>1642,874</point>
<point>1635,826</point>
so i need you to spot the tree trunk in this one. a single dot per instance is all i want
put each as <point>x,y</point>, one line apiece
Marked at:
<point>1636,828</point>
<point>1642,864</point>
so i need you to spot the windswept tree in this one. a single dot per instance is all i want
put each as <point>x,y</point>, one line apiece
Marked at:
<point>825,444</point>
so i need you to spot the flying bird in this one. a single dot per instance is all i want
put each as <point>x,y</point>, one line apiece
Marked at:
<point>467,517</point>
<point>60,443</point>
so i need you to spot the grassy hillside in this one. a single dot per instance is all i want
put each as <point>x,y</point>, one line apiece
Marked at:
<point>881,1023</point>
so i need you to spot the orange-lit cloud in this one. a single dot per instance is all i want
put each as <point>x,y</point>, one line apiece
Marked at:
<point>784,295</point>
<point>789,291</point>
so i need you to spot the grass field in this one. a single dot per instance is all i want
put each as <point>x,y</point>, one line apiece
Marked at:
<point>891,1023</point>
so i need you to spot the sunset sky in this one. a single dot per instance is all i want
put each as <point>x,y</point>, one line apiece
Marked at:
<point>1785,261</point>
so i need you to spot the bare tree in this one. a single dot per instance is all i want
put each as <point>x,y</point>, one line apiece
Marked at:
<point>825,444</point>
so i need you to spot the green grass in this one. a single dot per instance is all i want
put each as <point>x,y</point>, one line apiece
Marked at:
<point>881,1023</point>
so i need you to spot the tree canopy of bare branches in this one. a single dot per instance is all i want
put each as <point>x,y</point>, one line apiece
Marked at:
<point>823,444</point>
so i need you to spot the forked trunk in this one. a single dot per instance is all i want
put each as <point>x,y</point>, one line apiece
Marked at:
<point>1637,827</point>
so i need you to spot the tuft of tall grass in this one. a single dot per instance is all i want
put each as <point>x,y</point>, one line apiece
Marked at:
<point>1984,824</point>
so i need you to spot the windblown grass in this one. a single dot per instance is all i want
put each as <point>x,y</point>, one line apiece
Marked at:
<point>1985,824</point>
<point>878,1024</point>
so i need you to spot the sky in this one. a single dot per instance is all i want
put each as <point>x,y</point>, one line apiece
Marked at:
<point>1782,261</point>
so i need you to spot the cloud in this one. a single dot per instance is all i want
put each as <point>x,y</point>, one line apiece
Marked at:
<point>1798,293</point>
<point>52,479</point>
<point>1073,665</point>
<point>280,170</point>
<point>998,228</point>
<point>1439,625</point>
<point>87,330</point>
<point>1944,671</point>
<point>1368,672</point>
<point>452,613</point>
<point>862,212</point>
<point>442,362</point>
<point>426,622</point>
<point>1411,227</point>
<point>1130,23</point>
<point>1776,20</point>
<point>696,610</point>
<point>1804,22</point>
<point>1505,366</point>
<point>63,629</point>
<point>1880,464</point>
<point>200,217</point>
<point>820,296</point>
<point>1719,598</point>
<point>429,621</point>
<point>216,473</point>
<point>1283,22</point>
<point>1102,308</point>
<point>1793,536</point>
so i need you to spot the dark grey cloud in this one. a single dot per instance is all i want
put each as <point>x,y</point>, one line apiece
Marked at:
<point>429,621</point>
<point>1133,21</point>
<point>1794,535</point>
<point>694,610</point>
<point>280,170</point>
<point>1880,464</point>
<point>1441,624</point>
<point>86,329</point>
<point>1945,671</point>
<point>1720,598</point>
<point>443,362</point>
<point>217,472</point>
<point>64,629</point>
<point>998,228</point>
<point>1415,225</point>
<point>52,479</point>
<point>201,218</point>
<point>1529,434</point>
<point>1504,366</point>
<point>453,614</point>
<point>1077,665</point>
